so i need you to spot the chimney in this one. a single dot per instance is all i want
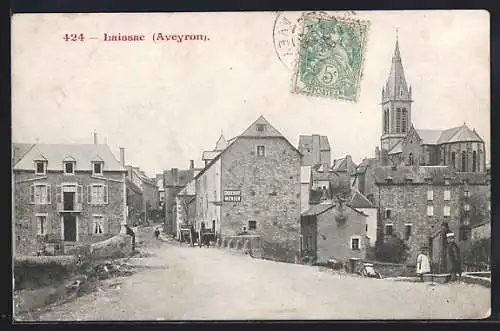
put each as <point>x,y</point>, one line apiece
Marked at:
<point>191,164</point>
<point>122,156</point>
<point>95,138</point>
<point>316,149</point>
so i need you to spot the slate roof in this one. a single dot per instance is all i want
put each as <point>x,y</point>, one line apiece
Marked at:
<point>324,144</point>
<point>396,149</point>
<point>358,200</point>
<point>83,154</point>
<point>320,208</point>
<point>344,164</point>
<point>457,134</point>
<point>210,155</point>
<point>19,150</point>
<point>423,174</point>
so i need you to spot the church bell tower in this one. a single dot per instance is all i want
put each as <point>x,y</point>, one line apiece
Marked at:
<point>396,105</point>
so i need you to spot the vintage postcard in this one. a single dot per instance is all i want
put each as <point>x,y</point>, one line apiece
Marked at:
<point>251,166</point>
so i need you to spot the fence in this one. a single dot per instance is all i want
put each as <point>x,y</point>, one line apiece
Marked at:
<point>476,267</point>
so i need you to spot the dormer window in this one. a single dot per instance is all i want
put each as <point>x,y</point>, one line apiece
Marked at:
<point>41,167</point>
<point>97,167</point>
<point>261,127</point>
<point>69,167</point>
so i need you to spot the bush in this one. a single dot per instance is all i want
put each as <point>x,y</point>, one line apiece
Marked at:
<point>478,252</point>
<point>393,250</point>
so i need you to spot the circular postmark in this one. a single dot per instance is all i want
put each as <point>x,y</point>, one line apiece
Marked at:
<point>286,35</point>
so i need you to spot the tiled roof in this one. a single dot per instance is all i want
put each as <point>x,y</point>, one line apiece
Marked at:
<point>305,174</point>
<point>358,200</point>
<point>344,164</point>
<point>83,154</point>
<point>19,150</point>
<point>210,155</point>
<point>320,208</point>
<point>424,174</point>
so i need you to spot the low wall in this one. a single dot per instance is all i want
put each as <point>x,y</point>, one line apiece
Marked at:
<point>246,244</point>
<point>117,246</point>
<point>393,269</point>
<point>36,271</point>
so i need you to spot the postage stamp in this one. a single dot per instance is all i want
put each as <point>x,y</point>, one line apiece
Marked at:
<point>331,56</point>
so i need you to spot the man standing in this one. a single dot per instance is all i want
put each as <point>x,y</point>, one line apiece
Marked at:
<point>453,262</point>
<point>443,256</point>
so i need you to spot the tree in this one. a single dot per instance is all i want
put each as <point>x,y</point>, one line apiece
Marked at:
<point>393,250</point>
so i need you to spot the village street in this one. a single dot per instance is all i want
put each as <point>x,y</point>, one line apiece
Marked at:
<point>191,283</point>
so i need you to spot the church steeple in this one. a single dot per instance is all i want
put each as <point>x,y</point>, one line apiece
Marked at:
<point>396,103</point>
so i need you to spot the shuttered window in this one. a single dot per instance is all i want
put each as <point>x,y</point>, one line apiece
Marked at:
<point>97,194</point>
<point>40,194</point>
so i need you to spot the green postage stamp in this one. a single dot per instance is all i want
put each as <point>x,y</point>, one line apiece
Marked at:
<point>331,57</point>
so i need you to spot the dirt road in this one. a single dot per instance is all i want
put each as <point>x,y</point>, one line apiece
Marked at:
<point>184,283</point>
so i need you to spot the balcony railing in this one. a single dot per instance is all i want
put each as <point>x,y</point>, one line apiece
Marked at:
<point>75,208</point>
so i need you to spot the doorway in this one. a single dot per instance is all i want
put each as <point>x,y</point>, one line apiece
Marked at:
<point>213,226</point>
<point>69,227</point>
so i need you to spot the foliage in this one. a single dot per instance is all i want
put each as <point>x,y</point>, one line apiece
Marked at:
<point>392,250</point>
<point>478,252</point>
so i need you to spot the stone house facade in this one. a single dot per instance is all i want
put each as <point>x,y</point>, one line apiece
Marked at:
<point>315,150</point>
<point>254,185</point>
<point>67,194</point>
<point>414,201</point>
<point>334,230</point>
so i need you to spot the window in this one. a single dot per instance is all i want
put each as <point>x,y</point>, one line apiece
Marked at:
<point>464,164</point>
<point>40,194</point>
<point>446,211</point>
<point>464,233</point>
<point>410,159</point>
<point>97,194</point>
<point>430,210</point>
<point>386,121</point>
<point>97,224</point>
<point>466,207</point>
<point>388,229</point>
<point>355,244</point>
<point>252,225</point>
<point>466,193</point>
<point>404,121</point>
<point>474,161</point>
<point>398,120</point>
<point>97,168</point>
<point>261,127</point>
<point>453,164</point>
<point>447,195</point>
<point>41,224</point>
<point>69,168</point>
<point>261,151</point>
<point>430,195</point>
<point>408,231</point>
<point>40,167</point>
<point>388,213</point>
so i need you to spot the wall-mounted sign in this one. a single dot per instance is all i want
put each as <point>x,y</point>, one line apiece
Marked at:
<point>232,195</point>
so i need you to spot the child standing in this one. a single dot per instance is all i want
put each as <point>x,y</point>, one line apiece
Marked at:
<point>423,264</point>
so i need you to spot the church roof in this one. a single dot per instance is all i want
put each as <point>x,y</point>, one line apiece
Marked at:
<point>396,86</point>
<point>396,149</point>
<point>457,134</point>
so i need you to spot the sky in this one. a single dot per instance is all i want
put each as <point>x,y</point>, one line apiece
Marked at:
<point>167,102</point>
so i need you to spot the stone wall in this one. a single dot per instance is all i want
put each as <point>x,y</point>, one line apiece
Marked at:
<point>334,234</point>
<point>270,194</point>
<point>25,230</point>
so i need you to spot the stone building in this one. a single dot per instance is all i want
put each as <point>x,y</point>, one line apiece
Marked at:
<point>414,201</point>
<point>184,214</point>
<point>254,184</point>
<point>458,147</point>
<point>315,150</point>
<point>333,230</point>
<point>174,180</point>
<point>66,194</point>
<point>364,205</point>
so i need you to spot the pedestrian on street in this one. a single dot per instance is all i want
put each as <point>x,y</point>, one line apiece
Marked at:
<point>157,233</point>
<point>423,264</point>
<point>131,233</point>
<point>454,262</point>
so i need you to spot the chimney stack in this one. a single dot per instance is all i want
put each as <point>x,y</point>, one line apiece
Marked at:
<point>122,156</point>
<point>191,164</point>
<point>95,138</point>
